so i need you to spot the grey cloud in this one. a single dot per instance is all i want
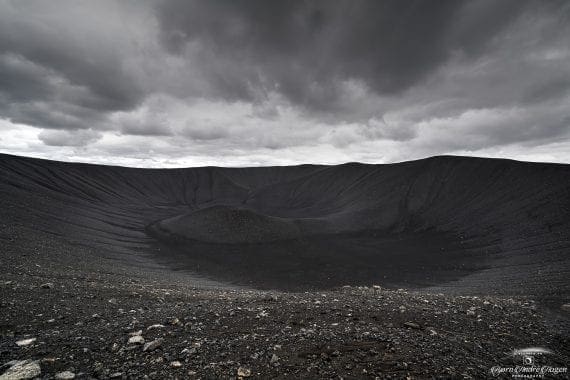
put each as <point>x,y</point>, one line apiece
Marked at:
<point>33,30</point>
<point>145,128</point>
<point>243,75</point>
<point>205,132</point>
<point>68,138</point>
<point>21,80</point>
<point>306,48</point>
<point>548,90</point>
<point>58,68</point>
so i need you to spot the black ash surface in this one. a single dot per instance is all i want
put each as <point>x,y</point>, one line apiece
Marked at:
<point>90,255</point>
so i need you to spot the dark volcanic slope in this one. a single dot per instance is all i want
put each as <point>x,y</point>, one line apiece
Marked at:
<point>466,223</point>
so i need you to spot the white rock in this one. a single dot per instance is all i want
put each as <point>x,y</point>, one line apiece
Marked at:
<point>155,326</point>
<point>65,375</point>
<point>175,364</point>
<point>24,369</point>
<point>25,342</point>
<point>243,372</point>
<point>136,339</point>
<point>153,345</point>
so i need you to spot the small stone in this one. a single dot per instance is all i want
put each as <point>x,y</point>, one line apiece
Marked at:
<point>271,298</point>
<point>153,345</point>
<point>135,333</point>
<point>565,307</point>
<point>243,372</point>
<point>155,326</point>
<point>22,369</point>
<point>274,359</point>
<point>65,375</point>
<point>115,375</point>
<point>412,325</point>
<point>188,351</point>
<point>47,285</point>
<point>175,364</point>
<point>137,339</point>
<point>25,342</point>
<point>113,301</point>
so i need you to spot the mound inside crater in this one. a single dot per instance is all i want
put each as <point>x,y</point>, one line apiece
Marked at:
<point>227,225</point>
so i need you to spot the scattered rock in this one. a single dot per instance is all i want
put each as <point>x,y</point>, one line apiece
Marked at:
<point>471,311</point>
<point>431,330</point>
<point>65,375</point>
<point>412,325</point>
<point>137,339</point>
<point>175,364</point>
<point>274,359</point>
<point>155,326</point>
<point>174,322</point>
<point>243,372</point>
<point>151,346</point>
<point>47,285</point>
<point>25,342</point>
<point>22,369</point>
<point>188,351</point>
<point>565,307</point>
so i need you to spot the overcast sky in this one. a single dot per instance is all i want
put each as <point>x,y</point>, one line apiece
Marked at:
<point>238,82</point>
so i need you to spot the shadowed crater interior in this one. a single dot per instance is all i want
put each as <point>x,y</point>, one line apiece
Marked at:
<point>226,225</point>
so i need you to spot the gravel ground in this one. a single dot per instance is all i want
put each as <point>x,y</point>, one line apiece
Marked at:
<point>67,311</point>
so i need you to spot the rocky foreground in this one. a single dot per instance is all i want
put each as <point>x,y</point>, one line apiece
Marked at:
<point>90,328</point>
<point>69,312</point>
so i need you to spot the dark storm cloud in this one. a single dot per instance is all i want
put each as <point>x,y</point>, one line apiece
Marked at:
<point>26,32</point>
<point>55,71</point>
<point>304,48</point>
<point>22,81</point>
<point>414,77</point>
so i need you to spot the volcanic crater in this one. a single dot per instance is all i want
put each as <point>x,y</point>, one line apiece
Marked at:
<point>467,224</point>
